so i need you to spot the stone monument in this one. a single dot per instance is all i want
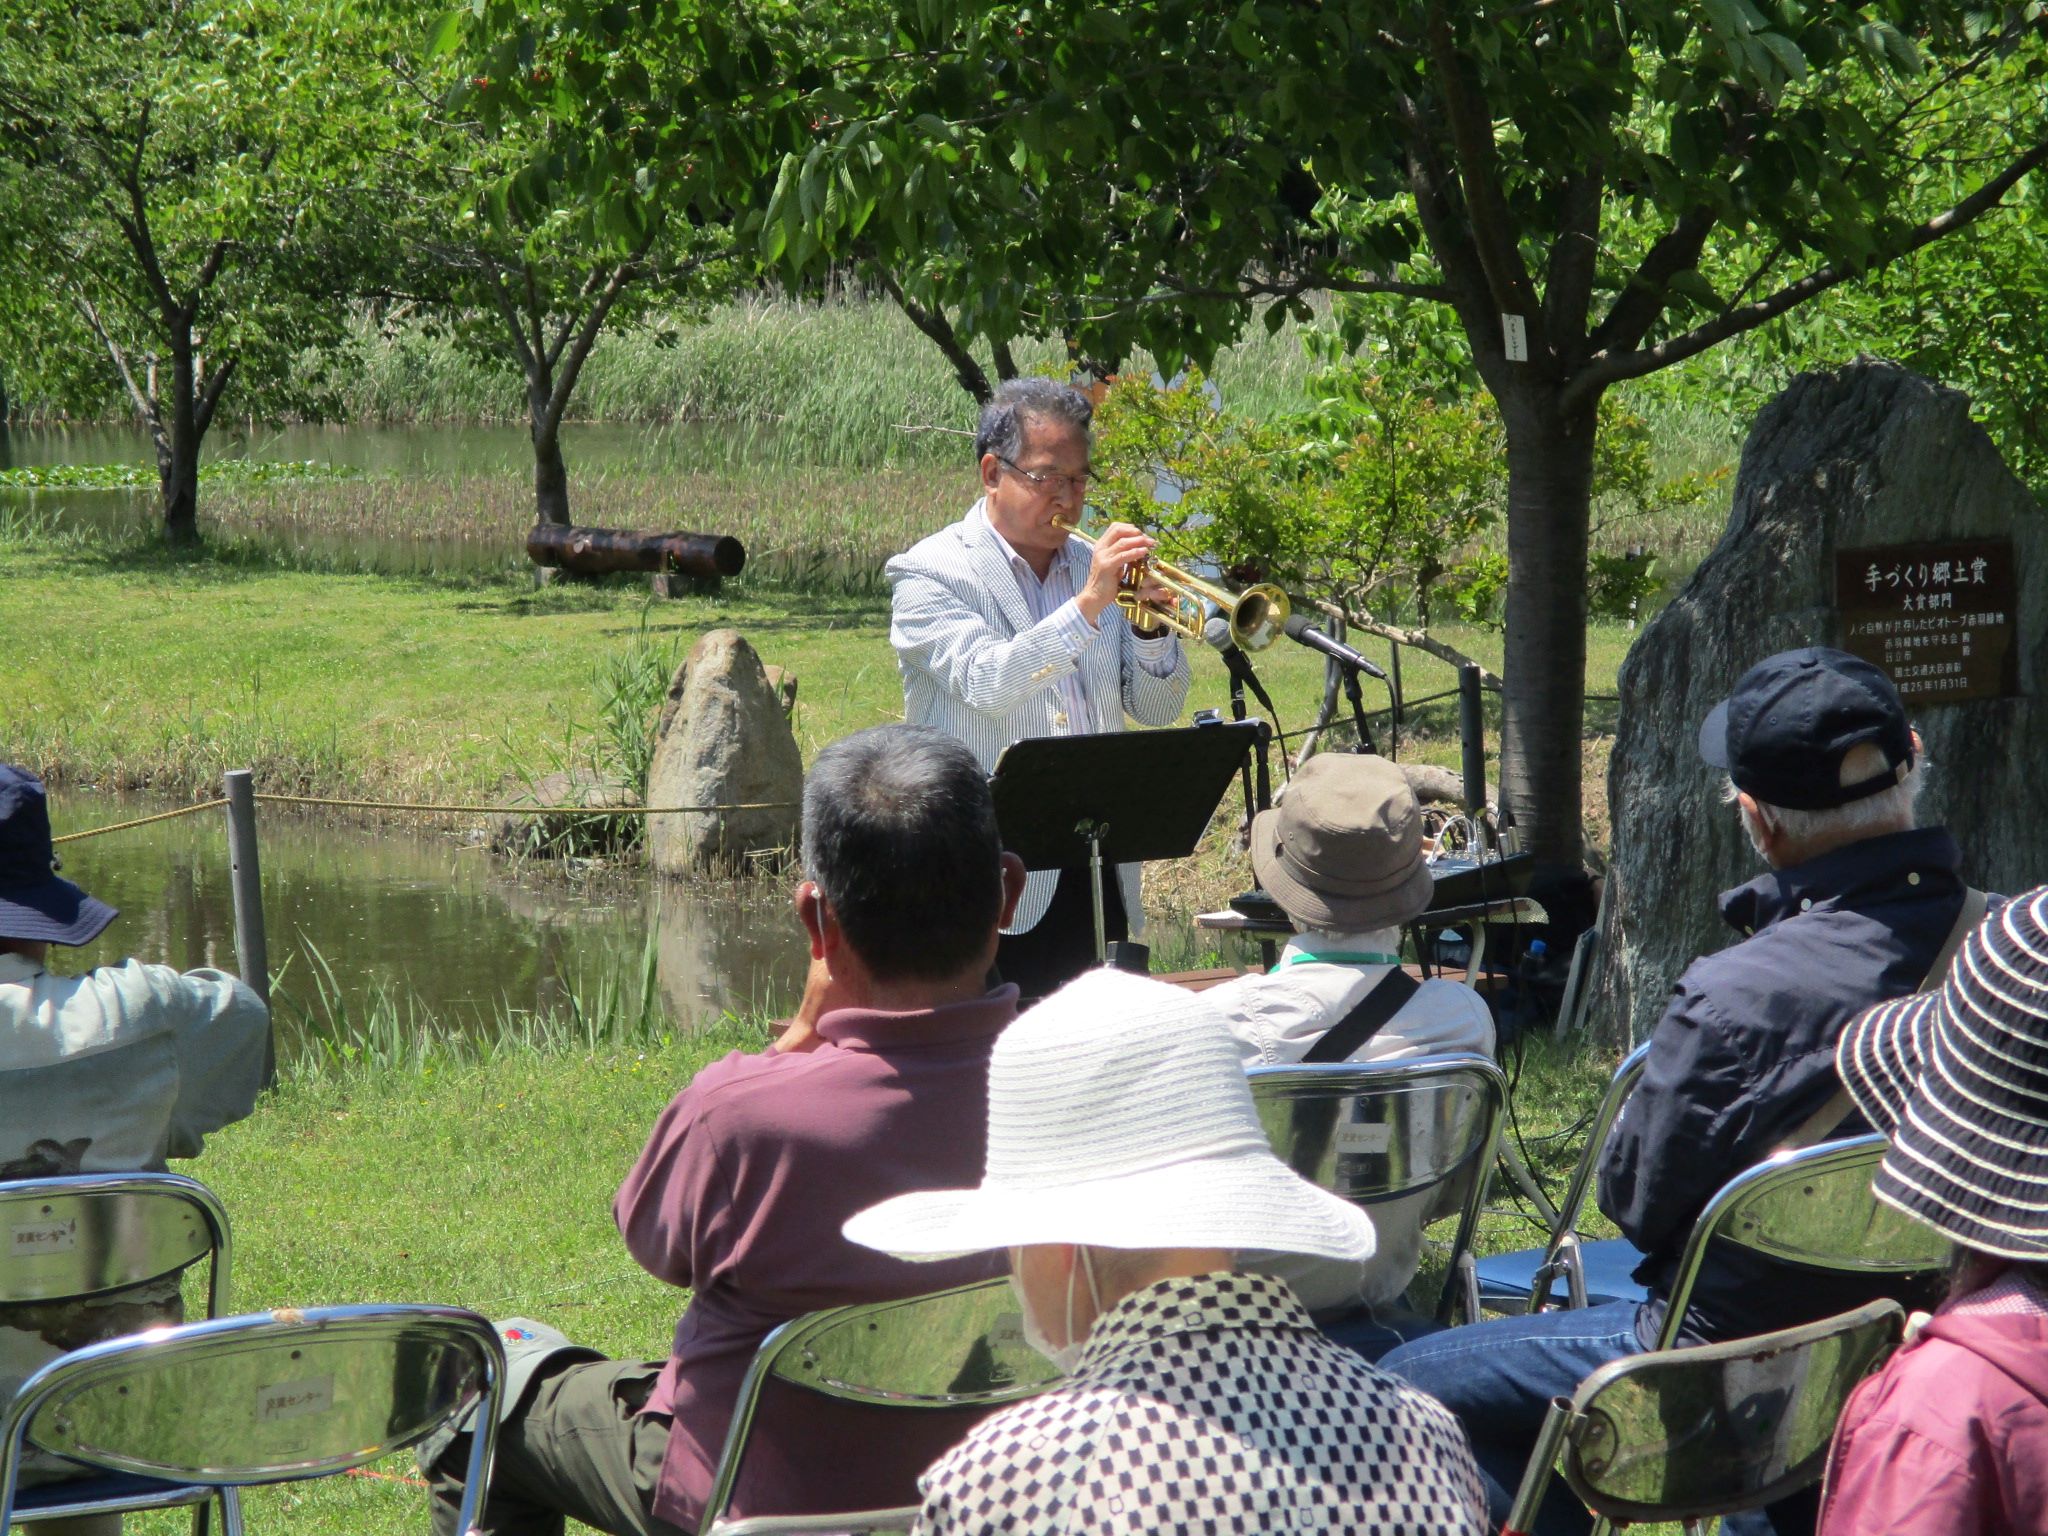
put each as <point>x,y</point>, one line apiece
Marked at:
<point>1870,513</point>
<point>723,739</point>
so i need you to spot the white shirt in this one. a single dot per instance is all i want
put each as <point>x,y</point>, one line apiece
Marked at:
<point>1277,1017</point>
<point>113,1072</point>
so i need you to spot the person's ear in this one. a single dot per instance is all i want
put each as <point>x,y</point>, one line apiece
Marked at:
<point>991,471</point>
<point>816,916</point>
<point>1013,888</point>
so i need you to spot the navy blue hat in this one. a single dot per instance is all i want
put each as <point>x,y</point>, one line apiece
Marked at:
<point>34,903</point>
<point>1783,732</point>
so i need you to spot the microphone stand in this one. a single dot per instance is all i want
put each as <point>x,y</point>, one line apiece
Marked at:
<point>1259,798</point>
<point>1357,697</point>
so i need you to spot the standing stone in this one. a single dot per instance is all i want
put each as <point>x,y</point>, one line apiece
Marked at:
<point>1867,454</point>
<point>723,740</point>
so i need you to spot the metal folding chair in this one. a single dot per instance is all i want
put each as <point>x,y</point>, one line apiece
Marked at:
<point>1526,1279</point>
<point>1687,1434</point>
<point>84,1235</point>
<point>1812,1207</point>
<point>176,1414</point>
<point>952,1353</point>
<point>1373,1132</point>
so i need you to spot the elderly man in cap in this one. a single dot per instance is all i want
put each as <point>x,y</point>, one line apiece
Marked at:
<point>110,1071</point>
<point>1859,906</point>
<point>1126,1166</point>
<point>1342,853</point>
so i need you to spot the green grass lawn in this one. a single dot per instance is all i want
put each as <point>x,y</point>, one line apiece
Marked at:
<point>488,1185</point>
<point>134,668</point>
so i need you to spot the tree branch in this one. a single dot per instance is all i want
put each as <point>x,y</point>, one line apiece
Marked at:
<point>145,403</point>
<point>1493,227</point>
<point>564,381</point>
<point>940,331</point>
<point>1422,640</point>
<point>1636,308</point>
<point>1611,368</point>
<point>209,398</point>
<point>508,311</point>
<point>1428,182</point>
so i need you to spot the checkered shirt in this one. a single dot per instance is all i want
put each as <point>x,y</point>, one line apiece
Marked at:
<point>1211,1406</point>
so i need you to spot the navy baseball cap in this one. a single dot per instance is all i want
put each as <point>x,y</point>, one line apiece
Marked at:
<point>1782,734</point>
<point>34,903</point>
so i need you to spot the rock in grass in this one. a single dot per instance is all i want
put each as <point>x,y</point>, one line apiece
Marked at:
<point>565,834</point>
<point>723,739</point>
<point>1869,454</point>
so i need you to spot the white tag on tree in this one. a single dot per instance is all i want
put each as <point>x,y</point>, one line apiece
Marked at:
<point>1514,338</point>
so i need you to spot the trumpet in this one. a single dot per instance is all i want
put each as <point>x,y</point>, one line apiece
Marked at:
<point>1257,615</point>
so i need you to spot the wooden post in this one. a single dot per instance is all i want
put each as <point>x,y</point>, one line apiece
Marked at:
<point>1472,737</point>
<point>252,954</point>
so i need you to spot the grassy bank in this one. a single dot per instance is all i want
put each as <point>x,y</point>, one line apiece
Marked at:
<point>134,667</point>
<point>488,1185</point>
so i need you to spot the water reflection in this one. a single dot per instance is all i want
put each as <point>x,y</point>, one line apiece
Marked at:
<point>444,927</point>
<point>422,916</point>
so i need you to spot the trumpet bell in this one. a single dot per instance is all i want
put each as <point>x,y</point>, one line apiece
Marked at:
<point>1259,616</point>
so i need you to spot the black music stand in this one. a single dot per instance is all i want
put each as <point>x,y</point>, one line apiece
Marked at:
<point>1124,796</point>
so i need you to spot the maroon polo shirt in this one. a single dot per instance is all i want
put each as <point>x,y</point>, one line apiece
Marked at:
<point>740,1194</point>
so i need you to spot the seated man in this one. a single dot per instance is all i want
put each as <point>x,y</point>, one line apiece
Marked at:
<point>112,1071</point>
<point>1125,1165</point>
<point>1857,908</point>
<point>1342,854</point>
<point>749,1173</point>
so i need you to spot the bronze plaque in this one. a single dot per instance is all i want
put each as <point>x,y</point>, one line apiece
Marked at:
<point>1938,617</point>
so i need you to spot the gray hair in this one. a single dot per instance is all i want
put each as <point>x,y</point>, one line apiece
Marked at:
<point>1889,810</point>
<point>900,836</point>
<point>1002,419</point>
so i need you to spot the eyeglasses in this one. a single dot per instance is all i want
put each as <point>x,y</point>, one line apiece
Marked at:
<point>1050,485</point>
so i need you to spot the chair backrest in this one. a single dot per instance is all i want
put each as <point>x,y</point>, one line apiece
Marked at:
<point>1682,1434</point>
<point>1377,1131</point>
<point>263,1398</point>
<point>1619,1087</point>
<point>1813,1207</point>
<point>85,1234</point>
<point>949,1350</point>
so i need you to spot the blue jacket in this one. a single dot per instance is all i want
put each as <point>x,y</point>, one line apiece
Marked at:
<point>1745,1054</point>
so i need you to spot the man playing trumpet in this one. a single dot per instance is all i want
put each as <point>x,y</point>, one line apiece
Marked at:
<point>1006,626</point>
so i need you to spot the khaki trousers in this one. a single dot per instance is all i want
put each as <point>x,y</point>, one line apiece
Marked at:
<point>579,1448</point>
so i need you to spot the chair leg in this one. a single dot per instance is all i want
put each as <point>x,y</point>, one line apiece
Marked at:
<point>231,1512</point>
<point>1541,1468</point>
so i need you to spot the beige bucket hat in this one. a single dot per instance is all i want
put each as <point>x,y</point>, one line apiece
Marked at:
<point>1342,851</point>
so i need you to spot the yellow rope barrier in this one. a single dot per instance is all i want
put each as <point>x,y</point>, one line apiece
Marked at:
<point>527,810</point>
<point>141,821</point>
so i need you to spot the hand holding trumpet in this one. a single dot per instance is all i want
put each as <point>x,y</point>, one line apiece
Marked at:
<point>1117,549</point>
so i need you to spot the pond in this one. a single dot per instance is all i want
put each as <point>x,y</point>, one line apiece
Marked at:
<point>437,923</point>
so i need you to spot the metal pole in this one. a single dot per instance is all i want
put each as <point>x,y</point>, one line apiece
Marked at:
<point>1095,879</point>
<point>251,952</point>
<point>1472,736</point>
<point>1541,1468</point>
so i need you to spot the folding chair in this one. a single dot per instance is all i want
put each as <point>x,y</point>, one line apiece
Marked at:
<point>1686,1434</point>
<point>1812,1207</point>
<point>174,1415</point>
<point>84,1235</point>
<point>1374,1132</point>
<point>918,1365</point>
<point>1596,1272</point>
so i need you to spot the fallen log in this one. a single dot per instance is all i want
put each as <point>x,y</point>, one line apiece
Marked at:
<point>594,551</point>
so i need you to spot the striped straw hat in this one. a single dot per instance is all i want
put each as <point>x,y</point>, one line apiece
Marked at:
<point>1958,1079</point>
<point>1119,1117</point>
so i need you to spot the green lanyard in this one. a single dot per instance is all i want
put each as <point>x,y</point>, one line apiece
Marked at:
<point>1303,957</point>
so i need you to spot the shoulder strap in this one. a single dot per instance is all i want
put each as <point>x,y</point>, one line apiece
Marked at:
<point>1836,1110</point>
<point>1366,1018</point>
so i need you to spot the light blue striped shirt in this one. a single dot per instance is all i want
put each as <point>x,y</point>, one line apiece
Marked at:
<point>1054,598</point>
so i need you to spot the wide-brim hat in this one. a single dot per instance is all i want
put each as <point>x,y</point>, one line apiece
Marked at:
<point>1119,1117</point>
<point>1957,1077</point>
<point>1343,850</point>
<point>35,902</point>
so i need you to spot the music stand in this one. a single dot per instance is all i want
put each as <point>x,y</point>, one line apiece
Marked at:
<point>1124,796</point>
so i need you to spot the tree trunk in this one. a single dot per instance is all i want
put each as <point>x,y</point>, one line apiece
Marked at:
<point>550,478</point>
<point>177,454</point>
<point>1550,482</point>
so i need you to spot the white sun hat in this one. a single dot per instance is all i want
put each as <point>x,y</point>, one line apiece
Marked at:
<point>1119,1117</point>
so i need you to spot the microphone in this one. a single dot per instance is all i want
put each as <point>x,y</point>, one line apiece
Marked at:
<point>1217,633</point>
<point>1303,632</point>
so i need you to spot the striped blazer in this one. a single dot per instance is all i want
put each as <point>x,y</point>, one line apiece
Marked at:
<point>976,667</point>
